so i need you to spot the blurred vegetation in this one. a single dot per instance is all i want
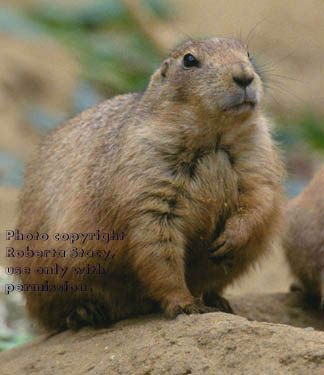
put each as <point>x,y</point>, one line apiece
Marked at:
<point>308,127</point>
<point>116,56</point>
<point>311,128</point>
<point>14,326</point>
<point>114,53</point>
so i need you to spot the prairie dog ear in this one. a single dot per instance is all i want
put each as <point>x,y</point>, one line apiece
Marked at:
<point>165,67</point>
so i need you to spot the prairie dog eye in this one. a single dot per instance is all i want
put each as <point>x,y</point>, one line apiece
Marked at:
<point>190,61</point>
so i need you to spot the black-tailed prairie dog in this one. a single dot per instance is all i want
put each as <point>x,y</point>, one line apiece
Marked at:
<point>304,241</point>
<point>186,174</point>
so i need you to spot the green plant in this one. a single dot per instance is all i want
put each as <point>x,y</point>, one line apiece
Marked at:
<point>115,54</point>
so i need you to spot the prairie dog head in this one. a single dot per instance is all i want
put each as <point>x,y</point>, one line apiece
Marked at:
<point>217,77</point>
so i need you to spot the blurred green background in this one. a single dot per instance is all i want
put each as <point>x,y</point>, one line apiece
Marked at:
<point>59,58</point>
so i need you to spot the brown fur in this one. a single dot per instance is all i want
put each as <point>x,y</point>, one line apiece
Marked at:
<point>304,242</point>
<point>180,170</point>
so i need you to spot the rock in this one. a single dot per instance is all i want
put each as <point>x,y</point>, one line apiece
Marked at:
<point>214,343</point>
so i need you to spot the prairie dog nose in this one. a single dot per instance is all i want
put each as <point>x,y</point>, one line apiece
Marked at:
<point>242,75</point>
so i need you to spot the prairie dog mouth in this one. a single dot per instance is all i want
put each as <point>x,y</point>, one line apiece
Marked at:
<point>244,106</point>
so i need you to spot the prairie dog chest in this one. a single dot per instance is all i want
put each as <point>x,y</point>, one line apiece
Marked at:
<point>211,190</point>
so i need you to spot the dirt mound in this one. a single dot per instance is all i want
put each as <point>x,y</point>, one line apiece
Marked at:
<point>213,343</point>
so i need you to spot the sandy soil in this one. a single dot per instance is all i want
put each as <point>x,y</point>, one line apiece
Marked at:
<point>214,343</point>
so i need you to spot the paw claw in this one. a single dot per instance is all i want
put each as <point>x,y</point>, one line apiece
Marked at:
<point>217,247</point>
<point>191,309</point>
<point>174,311</point>
<point>217,302</point>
